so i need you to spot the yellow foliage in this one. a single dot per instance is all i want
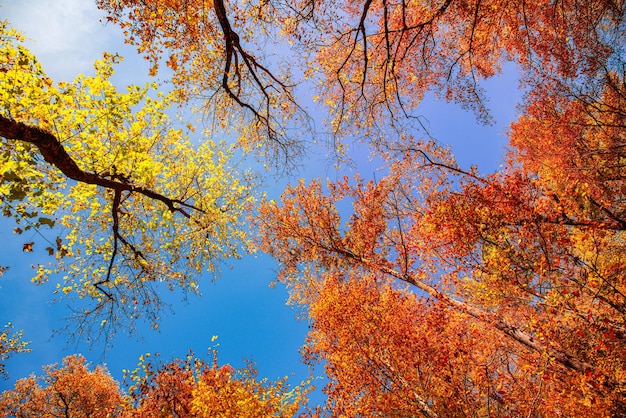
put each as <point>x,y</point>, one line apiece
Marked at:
<point>175,204</point>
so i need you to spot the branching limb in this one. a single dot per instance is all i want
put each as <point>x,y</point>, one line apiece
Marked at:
<point>233,51</point>
<point>55,154</point>
<point>512,331</point>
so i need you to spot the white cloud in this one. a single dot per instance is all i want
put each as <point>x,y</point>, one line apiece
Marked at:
<point>66,35</point>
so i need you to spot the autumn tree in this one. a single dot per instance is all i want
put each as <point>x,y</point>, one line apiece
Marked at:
<point>378,59</point>
<point>137,205</point>
<point>72,390</point>
<point>217,52</point>
<point>526,312</point>
<point>192,387</point>
<point>181,388</point>
<point>370,62</point>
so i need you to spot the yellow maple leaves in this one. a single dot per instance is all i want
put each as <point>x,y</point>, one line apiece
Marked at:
<point>10,343</point>
<point>151,204</point>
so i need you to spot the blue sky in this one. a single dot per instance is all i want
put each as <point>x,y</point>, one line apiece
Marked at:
<point>250,318</point>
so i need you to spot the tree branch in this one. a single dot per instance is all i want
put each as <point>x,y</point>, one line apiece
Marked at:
<point>512,331</point>
<point>55,154</point>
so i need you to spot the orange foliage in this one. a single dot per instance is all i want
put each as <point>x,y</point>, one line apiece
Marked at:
<point>192,388</point>
<point>532,318</point>
<point>68,391</point>
<point>390,353</point>
<point>373,60</point>
<point>181,388</point>
<point>377,59</point>
<point>217,57</point>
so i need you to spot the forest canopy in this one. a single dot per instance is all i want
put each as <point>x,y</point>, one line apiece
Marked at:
<point>442,291</point>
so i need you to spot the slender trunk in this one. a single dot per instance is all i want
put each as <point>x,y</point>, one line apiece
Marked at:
<point>492,319</point>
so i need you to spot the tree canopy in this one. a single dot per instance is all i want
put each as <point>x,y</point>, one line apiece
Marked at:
<point>442,291</point>
<point>181,388</point>
<point>137,203</point>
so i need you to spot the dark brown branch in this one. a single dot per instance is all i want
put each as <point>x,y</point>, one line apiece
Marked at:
<point>621,222</point>
<point>233,50</point>
<point>443,166</point>
<point>55,154</point>
<point>114,209</point>
<point>66,405</point>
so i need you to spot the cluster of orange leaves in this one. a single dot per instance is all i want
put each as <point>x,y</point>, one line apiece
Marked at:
<point>181,388</point>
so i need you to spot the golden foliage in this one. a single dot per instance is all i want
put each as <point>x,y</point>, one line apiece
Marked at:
<point>137,202</point>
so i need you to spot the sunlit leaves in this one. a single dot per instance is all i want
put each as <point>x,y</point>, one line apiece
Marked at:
<point>148,206</point>
<point>10,343</point>
<point>220,62</point>
<point>191,387</point>
<point>70,390</point>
